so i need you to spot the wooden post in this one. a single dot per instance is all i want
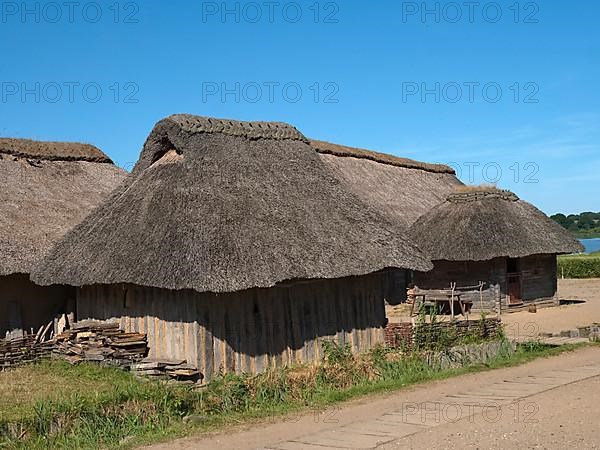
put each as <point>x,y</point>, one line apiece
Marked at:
<point>452,286</point>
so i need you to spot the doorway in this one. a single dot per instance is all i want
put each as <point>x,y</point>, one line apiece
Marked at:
<point>513,278</point>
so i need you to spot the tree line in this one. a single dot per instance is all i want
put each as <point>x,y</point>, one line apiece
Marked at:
<point>586,224</point>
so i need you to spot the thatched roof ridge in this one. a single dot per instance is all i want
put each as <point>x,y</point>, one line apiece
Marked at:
<point>477,193</point>
<point>482,224</point>
<point>249,130</point>
<point>399,188</point>
<point>45,194</point>
<point>51,151</point>
<point>223,211</point>
<point>383,158</point>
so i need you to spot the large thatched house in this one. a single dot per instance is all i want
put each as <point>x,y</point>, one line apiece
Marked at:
<point>489,235</point>
<point>401,189</point>
<point>45,189</point>
<point>233,247</point>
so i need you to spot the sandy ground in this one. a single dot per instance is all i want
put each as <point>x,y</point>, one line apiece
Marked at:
<point>571,406</point>
<point>563,418</point>
<point>556,319</point>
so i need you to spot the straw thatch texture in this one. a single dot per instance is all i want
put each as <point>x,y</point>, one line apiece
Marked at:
<point>45,190</point>
<point>478,225</point>
<point>52,151</point>
<point>327,148</point>
<point>222,206</point>
<point>399,188</point>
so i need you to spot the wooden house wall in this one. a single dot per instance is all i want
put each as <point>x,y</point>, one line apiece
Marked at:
<point>538,278</point>
<point>245,331</point>
<point>25,305</point>
<point>468,273</point>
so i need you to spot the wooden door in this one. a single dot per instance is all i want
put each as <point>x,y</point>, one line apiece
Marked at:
<point>513,277</point>
<point>514,289</point>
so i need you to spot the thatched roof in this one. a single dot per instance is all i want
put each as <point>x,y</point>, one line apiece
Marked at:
<point>216,205</point>
<point>52,151</point>
<point>46,188</point>
<point>402,189</point>
<point>479,224</point>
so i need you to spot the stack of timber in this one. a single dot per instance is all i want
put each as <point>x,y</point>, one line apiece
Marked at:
<point>100,342</point>
<point>175,371</point>
<point>22,350</point>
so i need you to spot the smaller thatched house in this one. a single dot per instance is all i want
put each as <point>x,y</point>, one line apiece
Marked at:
<point>233,247</point>
<point>483,234</point>
<point>46,188</point>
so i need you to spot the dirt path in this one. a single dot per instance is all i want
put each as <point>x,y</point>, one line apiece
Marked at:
<point>365,410</point>
<point>562,418</point>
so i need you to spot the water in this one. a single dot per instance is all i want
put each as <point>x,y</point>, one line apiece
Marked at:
<point>591,245</point>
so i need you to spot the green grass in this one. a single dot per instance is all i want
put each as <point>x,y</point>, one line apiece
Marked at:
<point>579,266</point>
<point>106,405</point>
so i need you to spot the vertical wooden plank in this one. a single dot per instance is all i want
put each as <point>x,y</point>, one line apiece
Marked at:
<point>353,293</point>
<point>374,290</point>
<point>180,301</point>
<point>298,293</point>
<point>179,320</point>
<point>362,319</point>
<point>321,329</point>
<point>288,331</point>
<point>161,299</point>
<point>247,336</point>
<point>133,309</point>
<point>279,326</point>
<point>295,311</point>
<point>350,319</point>
<point>148,316</point>
<point>186,337</point>
<point>237,331</point>
<point>338,315</point>
<point>303,320</point>
<point>163,346</point>
<point>200,333</point>
<point>231,313</point>
<point>215,321</point>
<point>314,351</point>
<point>259,331</point>
<point>207,301</point>
<point>194,328</point>
<point>174,325</point>
<point>268,324</point>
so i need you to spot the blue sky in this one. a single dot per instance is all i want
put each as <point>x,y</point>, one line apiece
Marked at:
<point>506,92</point>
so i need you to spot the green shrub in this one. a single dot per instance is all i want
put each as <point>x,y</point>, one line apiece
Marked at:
<point>585,266</point>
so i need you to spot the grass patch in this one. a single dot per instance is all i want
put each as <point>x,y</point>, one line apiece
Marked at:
<point>87,406</point>
<point>579,266</point>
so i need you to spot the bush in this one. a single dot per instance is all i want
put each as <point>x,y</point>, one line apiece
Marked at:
<point>587,266</point>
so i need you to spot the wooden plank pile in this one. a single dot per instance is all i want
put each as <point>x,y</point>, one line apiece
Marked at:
<point>175,371</point>
<point>100,342</point>
<point>22,350</point>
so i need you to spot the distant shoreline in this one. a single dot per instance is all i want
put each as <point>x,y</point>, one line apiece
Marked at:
<point>583,235</point>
